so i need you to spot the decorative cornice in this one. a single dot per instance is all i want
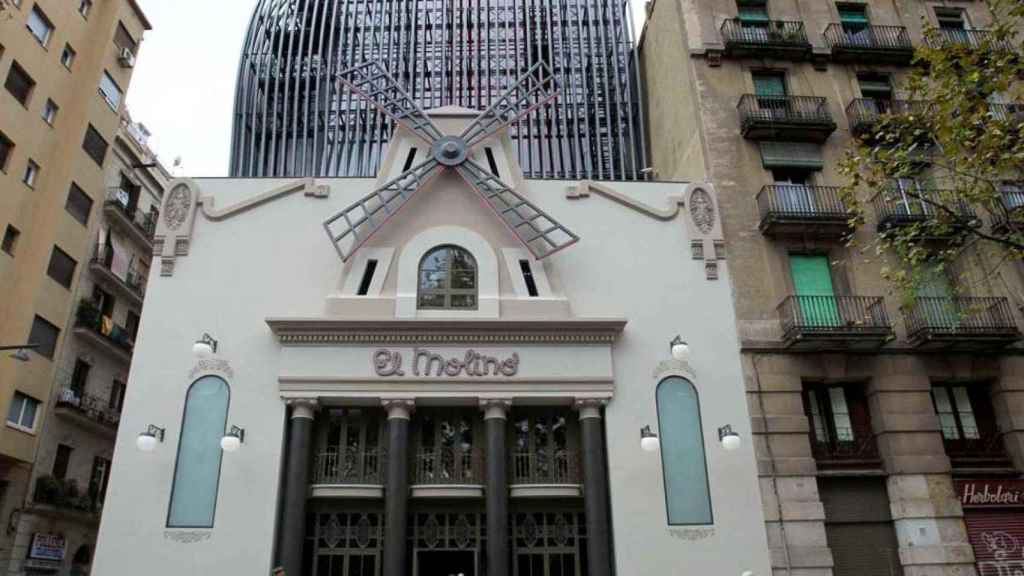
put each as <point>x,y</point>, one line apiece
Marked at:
<point>323,332</point>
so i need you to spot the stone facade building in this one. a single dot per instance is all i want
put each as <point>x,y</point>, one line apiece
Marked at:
<point>866,413</point>
<point>65,67</point>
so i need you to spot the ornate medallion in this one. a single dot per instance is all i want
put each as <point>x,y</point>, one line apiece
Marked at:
<point>179,203</point>
<point>334,533</point>
<point>531,532</point>
<point>431,531</point>
<point>562,530</point>
<point>702,210</point>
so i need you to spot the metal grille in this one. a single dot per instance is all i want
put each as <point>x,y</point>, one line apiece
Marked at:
<point>293,119</point>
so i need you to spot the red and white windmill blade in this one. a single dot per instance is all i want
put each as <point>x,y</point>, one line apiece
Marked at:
<point>353,226</point>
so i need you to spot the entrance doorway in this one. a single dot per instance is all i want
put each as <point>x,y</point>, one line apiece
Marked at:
<point>445,563</point>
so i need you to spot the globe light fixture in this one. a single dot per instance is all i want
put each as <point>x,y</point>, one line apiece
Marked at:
<point>232,441</point>
<point>205,346</point>
<point>730,440</point>
<point>649,440</point>
<point>679,348</point>
<point>147,441</point>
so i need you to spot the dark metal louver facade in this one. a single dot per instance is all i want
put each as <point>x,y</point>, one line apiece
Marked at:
<point>293,119</point>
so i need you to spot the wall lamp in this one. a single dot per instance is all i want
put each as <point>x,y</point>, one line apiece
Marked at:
<point>205,346</point>
<point>147,441</point>
<point>679,348</point>
<point>20,351</point>
<point>649,441</point>
<point>233,440</point>
<point>730,440</point>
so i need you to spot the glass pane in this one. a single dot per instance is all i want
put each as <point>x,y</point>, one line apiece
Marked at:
<point>28,417</point>
<point>14,412</point>
<point>682,453</point>
<point>840,414</point>
<point>433,279</point>
<point>944,409</point>
<point>963,406</point>
<point>820,430</point>
<point>522,427</point>
<point>197,472</point>
<point>464,279</point>
<point>463,301</point>
<point>431,301</point>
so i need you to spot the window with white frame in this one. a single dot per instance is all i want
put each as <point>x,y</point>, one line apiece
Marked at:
<point>448,279</point>
<point>22,413</point>
<point>50,112</point>
<point>84,7</point>
<point>40,26</point>
<point>110,91</point>
<point>67,57</point>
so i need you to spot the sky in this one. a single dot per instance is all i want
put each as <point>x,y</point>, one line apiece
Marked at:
<point>184,84</point>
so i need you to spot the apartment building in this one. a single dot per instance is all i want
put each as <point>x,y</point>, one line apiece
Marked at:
<point>66,67</point>
<point>884,429</point>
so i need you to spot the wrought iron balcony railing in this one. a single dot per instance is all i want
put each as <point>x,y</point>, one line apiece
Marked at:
<point>931,318</point>
<point>92,407</point>
<point>776,37</point>
<point>350,467</point>
<point>1012,112</point>
<point>1010,210</point>
<point>973,448</point>
<point>850,449</point>
<point>863,114</point>
<point>911,205</point>
<point>807,208</point>
<point>131,278</point>
<point>947,37</point>
<point>65,494</point>
<point>785,117</point>
<point>834,316</point>
<point>448,466</point>
<point>90,318</point>
<point>891,43</point>
<point>118,200</point>
<point>560,467</point>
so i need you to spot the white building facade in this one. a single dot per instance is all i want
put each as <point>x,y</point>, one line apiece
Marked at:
<point>442,401</point>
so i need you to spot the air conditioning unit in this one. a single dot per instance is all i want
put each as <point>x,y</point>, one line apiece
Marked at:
<point>127,58</point>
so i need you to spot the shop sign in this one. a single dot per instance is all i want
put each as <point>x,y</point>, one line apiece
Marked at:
<point>48,547</point>
<point>990,493</point>
<point>426,363</point>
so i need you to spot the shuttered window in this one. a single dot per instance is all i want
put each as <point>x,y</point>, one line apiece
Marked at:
<point>753,13</point>
<point>858,526</point>
<point>812,280</point>
<point>78,205</point>
<point>806,155</point>
<point>769,84</point>
<point>853,17</point>
<point>95,145</point>
<point>62,267</point>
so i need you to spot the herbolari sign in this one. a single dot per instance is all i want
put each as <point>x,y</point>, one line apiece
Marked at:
<point>427,363</point>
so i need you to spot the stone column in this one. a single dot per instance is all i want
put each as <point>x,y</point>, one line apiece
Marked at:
<point>595,488</point>
<point>495,418</point>
<point>396,498</point>
<point>296,485</point>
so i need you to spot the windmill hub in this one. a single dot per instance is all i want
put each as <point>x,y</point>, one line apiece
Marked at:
<point>450,150</point>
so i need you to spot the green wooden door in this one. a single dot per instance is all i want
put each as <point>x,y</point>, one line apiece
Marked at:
<point>812,277</point>
<point>935,299</point>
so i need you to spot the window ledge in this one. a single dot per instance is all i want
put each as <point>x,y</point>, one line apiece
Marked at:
<point>22,429</point>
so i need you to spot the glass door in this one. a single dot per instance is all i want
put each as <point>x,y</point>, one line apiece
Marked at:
<point>351,447</point>
<point>793,194</point>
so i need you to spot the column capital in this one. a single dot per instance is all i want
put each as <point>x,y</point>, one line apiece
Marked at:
<point>589,407</point>
<point>495,407</point>
<point>303,407</point>
<point>399,407</point>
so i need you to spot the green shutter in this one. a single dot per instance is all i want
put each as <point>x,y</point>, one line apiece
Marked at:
<point>753,14</point>
<point>812,278</point>
<point>769,85</point>
<point>853,15</point>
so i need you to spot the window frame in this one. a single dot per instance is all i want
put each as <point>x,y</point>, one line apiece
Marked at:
<point>68,56</point>
<point>957,412</point>
<point>177,457</point>
<point>10,240</point>
<point>55,262</point>
<point>448,292</point>
<point>50,110</point>
<point>31,176</point>
<point>8,145</point>
<point>114,106</point>
<point>75,191</point>
<point>92,132</point>
<point>39,349</point>
<point>84,8</point>
<point>21,413</point>
<point>15,67</point>
<point>703,444</point>
<point>38,12</point>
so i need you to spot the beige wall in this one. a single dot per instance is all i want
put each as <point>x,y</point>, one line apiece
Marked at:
<point>678,40</point>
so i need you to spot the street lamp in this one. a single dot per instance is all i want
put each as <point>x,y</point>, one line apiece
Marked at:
<point>205,347</point>
<point>147,440</point>
<point>232,441</point>
<point>20,351</point>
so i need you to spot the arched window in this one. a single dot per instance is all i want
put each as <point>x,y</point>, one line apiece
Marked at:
<point>687,493</point>
<point>197,472</point>
<point>447,279</point>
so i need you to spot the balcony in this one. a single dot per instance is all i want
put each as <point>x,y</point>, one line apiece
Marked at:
<point>872,44</point>
<point>834,322</point>
<point>848,451</point>
<point>788,118</point>
<point>545,474</point>
<point>925,208</point>
<point>136,225</point>
<point>795,210</point>
<point>960,322</point>
<point>975,449</point>
<point>1010,112</point>
<point>101,331</point>
<point>349,474</point>
<point>950,37</point>
<point>768,39</point>
<point>448,473</point>
<point>89,411</point>
<point>1009,214</point>
<point>863,114</point>
<point>129,283</point>
<point>58,497</point>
